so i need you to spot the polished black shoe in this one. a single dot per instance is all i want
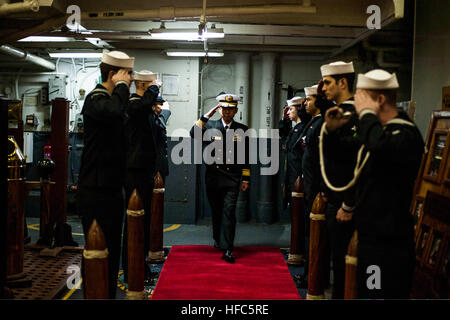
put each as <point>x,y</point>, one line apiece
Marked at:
<point>216,245</point>
<point>228,256</point>
<point>301,281</point>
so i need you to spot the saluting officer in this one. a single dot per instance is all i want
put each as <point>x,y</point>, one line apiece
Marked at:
<point>141,153</point>
<point>385,187</point>
<point>309,139</point>
<point>294,112</point>
<point>228,170</point>
<point>311,179</point>
<point>338,156</point>
<point>102,171</point>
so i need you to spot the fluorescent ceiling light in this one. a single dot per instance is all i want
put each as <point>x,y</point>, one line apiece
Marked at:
<point>87,55</point>
<point>193,53</point>
<point>185,34</point>
<point>46,39</point>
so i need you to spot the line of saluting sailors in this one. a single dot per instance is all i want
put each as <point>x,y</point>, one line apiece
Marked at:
<point>125,145</point>
<point>357,149</point>
<point>363,154</point>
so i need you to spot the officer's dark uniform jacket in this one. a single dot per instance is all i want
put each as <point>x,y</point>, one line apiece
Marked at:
<point>220,171</point>
<point>221,178</point>
<point>340,149</point>
<point>384,189</point>
<point>140,130</point>
<point>103,158</point>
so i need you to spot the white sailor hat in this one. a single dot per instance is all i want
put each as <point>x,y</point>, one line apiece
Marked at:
<point>228,100</point>
<point>118,59</point>
<point>377,80</point>
<point>336,68</point>
<point>311,91</point>
<point>294,101</point>
<point>144,75</point>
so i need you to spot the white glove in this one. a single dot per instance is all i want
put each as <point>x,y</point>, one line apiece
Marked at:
<point>165,106</point>
<point>158,83</point>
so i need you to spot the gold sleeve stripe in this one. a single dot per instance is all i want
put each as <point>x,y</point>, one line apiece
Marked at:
<point>200,123</point>
<point>246,172</point>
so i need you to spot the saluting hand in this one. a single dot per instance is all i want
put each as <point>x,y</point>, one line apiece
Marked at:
<point>335,118</point>
<point>122,75</point>
<point>245,186</point>
<point>285,113</point>
<point>364,101</point>
<point>157,83</point>
<point>212,111</point>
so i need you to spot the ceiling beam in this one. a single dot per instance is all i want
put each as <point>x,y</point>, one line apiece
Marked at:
<point>48,25</point>
<point>229,28</point>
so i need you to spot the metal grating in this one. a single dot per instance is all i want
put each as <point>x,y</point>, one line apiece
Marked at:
<point>47,273</point>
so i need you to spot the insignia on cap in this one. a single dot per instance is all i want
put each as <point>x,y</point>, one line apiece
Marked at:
<point>228,100</point>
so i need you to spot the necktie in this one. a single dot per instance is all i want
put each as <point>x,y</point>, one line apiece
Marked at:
<point>226,127</point>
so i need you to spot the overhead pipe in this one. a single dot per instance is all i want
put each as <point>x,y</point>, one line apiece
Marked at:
<point>19,7</point>
<point>172,13</point>
<point>25,56</point>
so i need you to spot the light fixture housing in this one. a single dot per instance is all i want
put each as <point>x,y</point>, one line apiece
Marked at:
<point>76,54</point>
<point>46,39</point>
<point>193,53</point>
<point>186,34</point>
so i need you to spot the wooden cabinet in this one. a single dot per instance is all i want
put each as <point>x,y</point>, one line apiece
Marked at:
<point>431,211</point>
<point>434,174</point>
<point>432,271</point>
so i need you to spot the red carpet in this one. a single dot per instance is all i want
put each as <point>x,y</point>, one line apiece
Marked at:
<point>199,273</point>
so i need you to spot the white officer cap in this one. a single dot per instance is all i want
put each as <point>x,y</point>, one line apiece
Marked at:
<point>377,80</point>
<point>144,75</point>
<point>294,101</point>
<point>336,68</point>
<point>118,59</point>
<point>311,91</point>
<point>228,100</point>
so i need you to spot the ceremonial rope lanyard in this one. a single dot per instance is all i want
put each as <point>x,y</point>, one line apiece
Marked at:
<point>358,168</point>
<point>356,172</point>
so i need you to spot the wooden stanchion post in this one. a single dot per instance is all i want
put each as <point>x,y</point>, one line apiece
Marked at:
<point>351,263</point>
<point>136,257</point>
<point>317,249</point>
<point>297,248</point>
<point>156,253</point>
<point>96,264</point>
<point>15,217</point>
<point>60,154</point>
